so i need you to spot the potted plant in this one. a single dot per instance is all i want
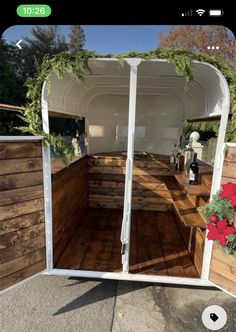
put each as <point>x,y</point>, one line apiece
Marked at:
<point>221,217</point>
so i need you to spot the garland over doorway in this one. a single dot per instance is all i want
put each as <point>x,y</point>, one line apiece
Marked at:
<point>77,65</point>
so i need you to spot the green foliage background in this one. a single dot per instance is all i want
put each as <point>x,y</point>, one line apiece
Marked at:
<point>221,207</point>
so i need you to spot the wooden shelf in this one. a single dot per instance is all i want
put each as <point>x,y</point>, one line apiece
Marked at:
<point>187,212</point>
<point>196,190</point>
<point>183,207</point>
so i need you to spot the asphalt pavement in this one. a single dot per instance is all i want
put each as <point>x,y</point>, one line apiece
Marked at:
<point>62,304</point>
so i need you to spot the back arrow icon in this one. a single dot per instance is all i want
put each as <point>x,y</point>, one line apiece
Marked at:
<point>18,44</point>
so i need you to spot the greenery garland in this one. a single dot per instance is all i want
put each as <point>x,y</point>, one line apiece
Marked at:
<point>77,65</point>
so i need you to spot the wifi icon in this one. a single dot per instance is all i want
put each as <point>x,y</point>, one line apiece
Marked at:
<point>200,12</point>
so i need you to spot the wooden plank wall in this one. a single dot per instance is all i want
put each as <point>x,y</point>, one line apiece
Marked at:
<point>194,238</point>
<point>107,179</point>
<point>69,202</point>
<point>22,239</point>
<point>229,168</point>
<point>223,266</point>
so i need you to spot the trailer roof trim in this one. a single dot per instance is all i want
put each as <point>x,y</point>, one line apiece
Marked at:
<point>207,95</point>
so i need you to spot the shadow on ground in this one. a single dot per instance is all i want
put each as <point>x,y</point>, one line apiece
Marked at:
<point>105,290</point>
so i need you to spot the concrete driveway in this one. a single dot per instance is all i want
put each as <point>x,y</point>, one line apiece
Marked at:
<point>62,304</point>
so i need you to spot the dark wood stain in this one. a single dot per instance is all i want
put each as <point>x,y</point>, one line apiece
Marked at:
<point>22,229</point>
<point>107,176</point>
<point>157,247</point>
<point>69,201</point>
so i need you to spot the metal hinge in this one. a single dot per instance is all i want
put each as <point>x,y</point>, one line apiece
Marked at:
<point>123,249</point>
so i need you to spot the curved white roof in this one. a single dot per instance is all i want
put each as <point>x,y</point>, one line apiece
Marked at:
<point>206,94</point>
<point>163,102</point>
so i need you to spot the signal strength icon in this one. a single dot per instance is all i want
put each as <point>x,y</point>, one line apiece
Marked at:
<point>200,12</point>
<point>188,13</point>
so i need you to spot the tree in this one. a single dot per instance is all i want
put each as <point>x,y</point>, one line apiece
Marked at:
<point>44,41</point>
<point>76,38</point>
<point>11,84</point>
<point>17,65</point>
<point>197,38</point>
<point>47,40</point>
<point>11,90</point>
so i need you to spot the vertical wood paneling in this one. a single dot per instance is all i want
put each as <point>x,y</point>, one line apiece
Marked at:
<point>69,202</point>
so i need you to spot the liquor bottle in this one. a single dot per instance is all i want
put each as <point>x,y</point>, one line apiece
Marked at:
<point>181,161</point>
<point>177,161</point>
<point>172,158</point>
<point>177,157</point>
<point>193,170</point>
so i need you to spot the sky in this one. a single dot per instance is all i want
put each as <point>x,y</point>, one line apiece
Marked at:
<point>105,38</point>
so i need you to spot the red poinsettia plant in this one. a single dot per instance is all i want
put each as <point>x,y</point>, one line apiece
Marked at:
<point>221,215</point>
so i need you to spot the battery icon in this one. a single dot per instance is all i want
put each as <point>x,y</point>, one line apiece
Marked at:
<point>216,12</point>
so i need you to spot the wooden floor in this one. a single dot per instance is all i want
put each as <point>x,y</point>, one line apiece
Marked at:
<point>157,247</point>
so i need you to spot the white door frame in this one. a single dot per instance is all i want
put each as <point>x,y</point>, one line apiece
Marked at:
<point>130,277</point>
<point>126,222</point>
<point>217,171</point>
<point>47,184</point>
<point>125,234</point>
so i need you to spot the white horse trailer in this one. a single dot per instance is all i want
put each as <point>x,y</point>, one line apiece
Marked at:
<point>134,115</point>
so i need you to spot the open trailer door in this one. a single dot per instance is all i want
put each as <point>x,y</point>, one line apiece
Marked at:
<point>22,216</point>
<point>223,266</point>
<point>223,271</point>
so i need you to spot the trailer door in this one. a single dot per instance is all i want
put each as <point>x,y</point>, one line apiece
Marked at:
<point>22,217</point>
<point>223,271</point>
<point>223,266</point>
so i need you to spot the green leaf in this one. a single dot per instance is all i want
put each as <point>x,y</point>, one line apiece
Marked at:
<point>231,238</point>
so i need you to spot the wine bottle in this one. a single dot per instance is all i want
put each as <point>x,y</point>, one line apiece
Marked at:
<point>193,170</point>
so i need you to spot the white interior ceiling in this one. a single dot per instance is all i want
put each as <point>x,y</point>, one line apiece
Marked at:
<point>163,102</point>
